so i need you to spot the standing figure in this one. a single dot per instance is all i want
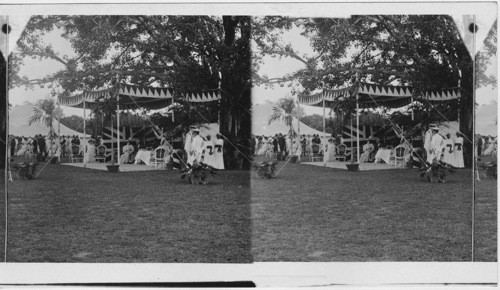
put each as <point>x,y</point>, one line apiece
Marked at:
<point>479,146</point>
<point>437,145</point>
<point>42,145</point>
<point>12,145</point>
<point>55,150</point>
<point>449,152</point>
<point>427,142</point>
<point>196,146</point>
<point>219,153</point>
<point>62,141</point>
<point>208,156</point>
<point>187,146</point>
<point>330,151</point>
<point>459,151</point>
<point>90,147</point>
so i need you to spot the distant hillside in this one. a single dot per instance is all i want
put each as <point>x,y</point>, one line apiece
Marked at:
<point>261,126</point>
<point>18,123</point>
<point>486,119</point>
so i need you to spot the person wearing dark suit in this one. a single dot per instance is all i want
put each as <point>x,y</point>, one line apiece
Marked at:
<point>12,145</point>
<point>275,144</point>
<point>479,145</point>
<point>34,143</point>
<point>282,145</point>
<point>42,147</point>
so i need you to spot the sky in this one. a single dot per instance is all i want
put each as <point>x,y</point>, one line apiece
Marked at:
<point>272,67</point>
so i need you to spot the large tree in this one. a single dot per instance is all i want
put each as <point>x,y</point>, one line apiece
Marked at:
<point>424,51</point>
<point>187,53</point>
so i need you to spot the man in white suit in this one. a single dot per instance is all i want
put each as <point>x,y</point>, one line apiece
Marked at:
<point>437,145</point>
<point>197,145</point>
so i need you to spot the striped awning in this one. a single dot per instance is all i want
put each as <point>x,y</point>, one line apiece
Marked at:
<point>373,95</point>
<point>134,97</point>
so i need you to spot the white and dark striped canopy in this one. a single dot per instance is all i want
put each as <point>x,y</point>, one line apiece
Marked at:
<point>373,95</point>
<point>135,97</point>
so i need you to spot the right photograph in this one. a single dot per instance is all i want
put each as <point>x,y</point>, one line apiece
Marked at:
<point>374,138</point>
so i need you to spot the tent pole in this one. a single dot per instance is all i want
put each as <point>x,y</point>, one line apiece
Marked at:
<point>84,135</point>
<point>412,115</point>
<point>58,120</point>
<point>357,127</point>
<point>298,127</point>
<point>324,134</point>
<point>118,125</point>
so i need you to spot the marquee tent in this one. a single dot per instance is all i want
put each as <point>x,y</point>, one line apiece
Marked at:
<point>373,95</point>
<point>129,97</point>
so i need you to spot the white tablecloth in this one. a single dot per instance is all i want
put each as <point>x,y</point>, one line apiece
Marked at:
<point>144,156</point>
<point>383,154</point>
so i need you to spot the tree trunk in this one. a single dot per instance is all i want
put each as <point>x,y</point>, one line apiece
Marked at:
<point>3,110</point>
<point>236,95</point>
<point>466,118</point>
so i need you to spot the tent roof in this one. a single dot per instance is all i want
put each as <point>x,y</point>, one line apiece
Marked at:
<point>261,126</point>
<point>373,95</point>
<point>133,97</point>
<point>18,123</point>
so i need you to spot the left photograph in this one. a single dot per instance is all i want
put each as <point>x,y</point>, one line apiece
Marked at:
<point>128,140</point>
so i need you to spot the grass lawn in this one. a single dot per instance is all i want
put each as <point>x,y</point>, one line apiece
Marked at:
<point>2,214</point>
<point>311,213</point>
<point>73,214</point>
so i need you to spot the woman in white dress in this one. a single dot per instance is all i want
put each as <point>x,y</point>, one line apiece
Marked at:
<point>330,151</point>
<point>262,146</point>
<point>24,147</point>
<point>90,155</point>
<point>458,151</point>
<point>219,153</point>
<point>368,148</point>
<point>208,156</point>
<point>449,152</point>
<point>491,146</point>
<point>55,150</point>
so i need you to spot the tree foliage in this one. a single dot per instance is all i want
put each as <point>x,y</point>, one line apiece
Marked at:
<point>423,51</point>
<point>187,53</point>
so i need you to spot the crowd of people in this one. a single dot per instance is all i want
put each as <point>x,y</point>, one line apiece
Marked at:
<point>42,146</point>
<point>444,147</point>
<point>486,145</point>
<point>434,145</point>
<point>282,145</point>
<point>204,149</point>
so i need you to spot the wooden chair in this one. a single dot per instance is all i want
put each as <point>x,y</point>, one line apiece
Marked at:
<point>76,156</point>
<point>316,152</point>
<point>399,154</point>
<point>340,154</point>
<point>101,154</point>
<point>159,156</point>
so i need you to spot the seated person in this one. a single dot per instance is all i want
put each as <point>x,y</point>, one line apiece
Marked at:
<point>368,152</point>
<point>127,153</point>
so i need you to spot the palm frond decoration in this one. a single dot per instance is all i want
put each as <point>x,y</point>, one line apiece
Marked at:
<point>437,171</point>
<point>284,112</point>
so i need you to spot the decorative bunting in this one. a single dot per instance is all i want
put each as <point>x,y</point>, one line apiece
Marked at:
<point>389,96</point>
<point>131,96</point>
